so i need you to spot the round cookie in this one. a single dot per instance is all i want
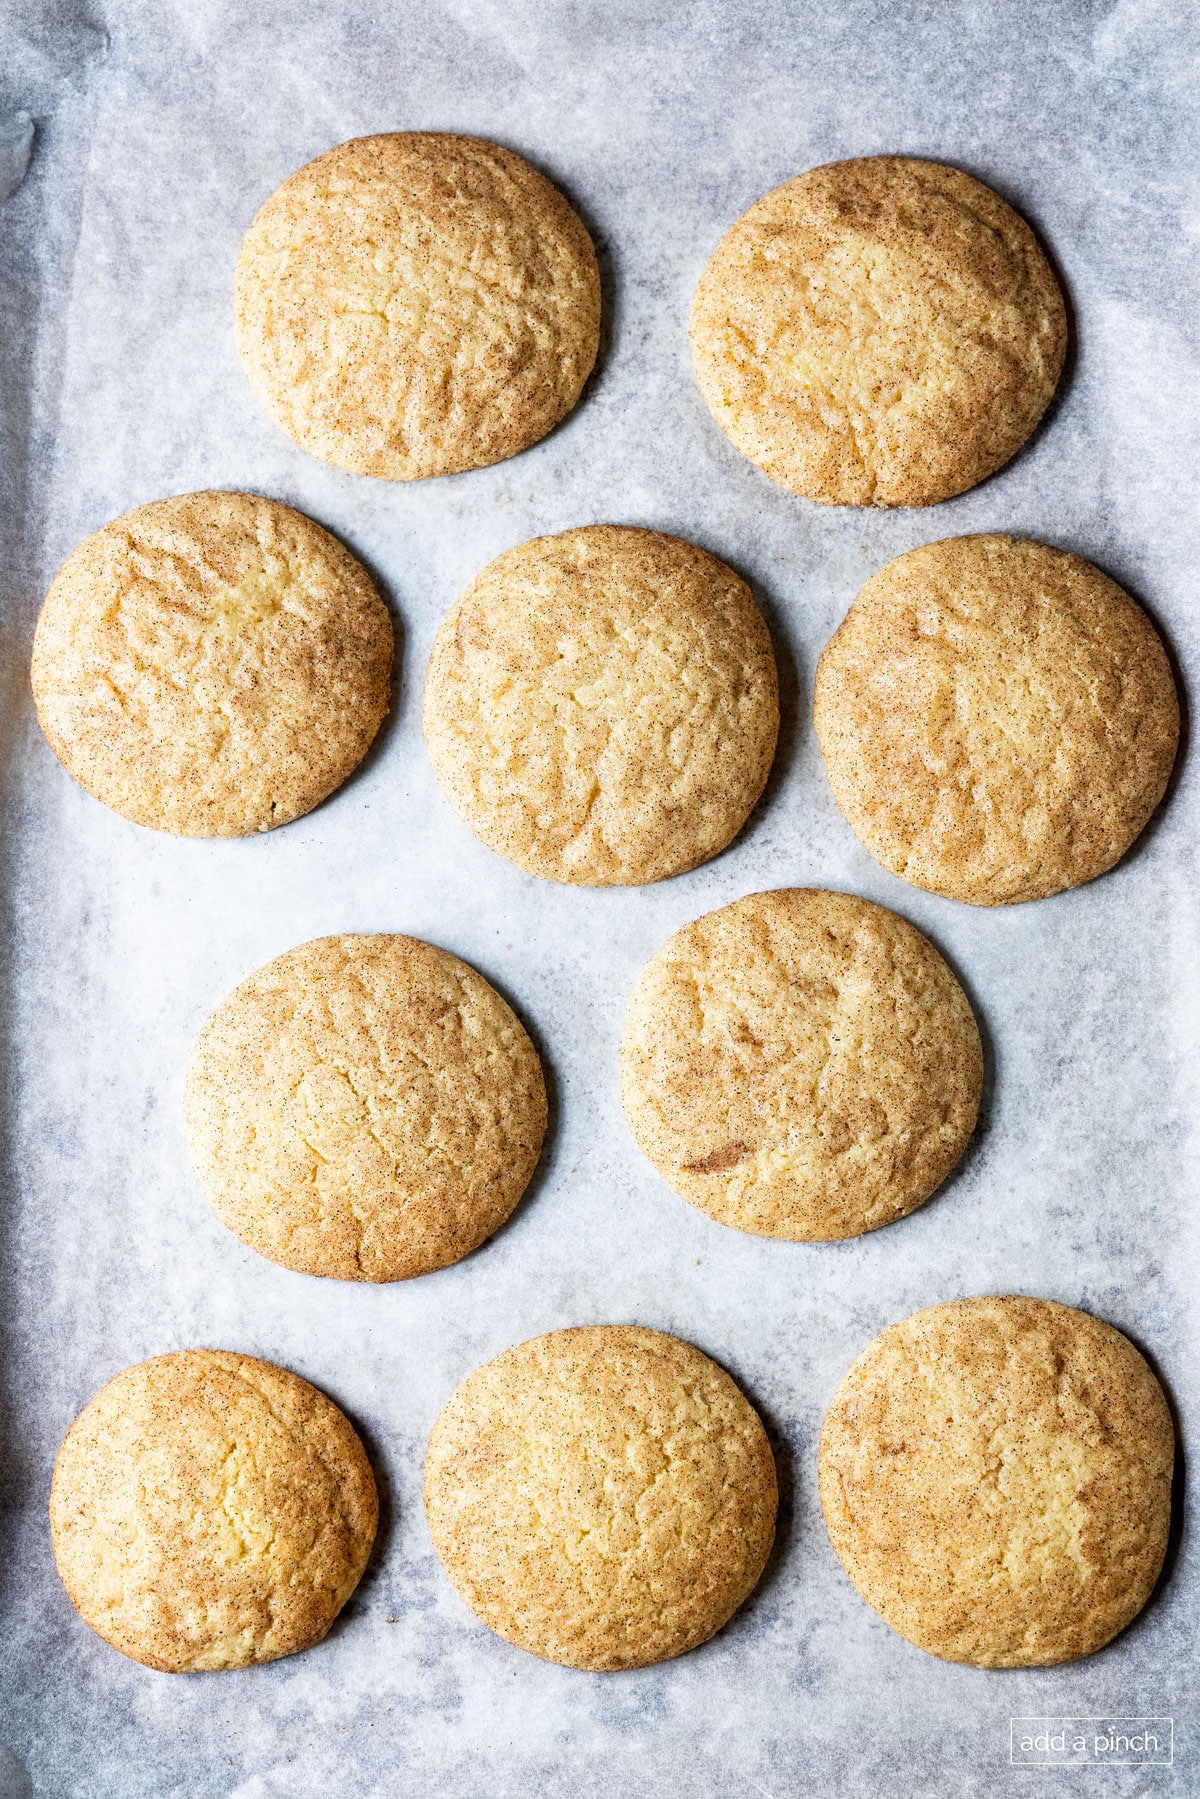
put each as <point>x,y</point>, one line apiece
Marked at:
<point>209,1510</point>
<point>603,1497</point>
<point>998,719</point>
<point>364,1107</point>
<point>801,1064</point>
<point>416,303</point>
<point>996,1479</point>
<point>602,706</point>
<point>879,332</point>
<point>212,665</point>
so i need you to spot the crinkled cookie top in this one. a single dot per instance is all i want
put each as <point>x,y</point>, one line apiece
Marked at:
<point>996,1479</point>
<point>878,332</point>
<point>417,303</point>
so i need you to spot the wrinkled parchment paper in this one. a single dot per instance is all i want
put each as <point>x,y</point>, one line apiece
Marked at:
<point>161,125</point>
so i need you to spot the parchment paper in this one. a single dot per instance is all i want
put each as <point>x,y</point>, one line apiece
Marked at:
<point>161,127</point>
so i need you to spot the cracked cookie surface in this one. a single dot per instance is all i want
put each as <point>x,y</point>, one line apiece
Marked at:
<point>801,1064</point>
<point>998,719</point>
<point>602,706</point>
<point>603,1497</point>
<point>878,332</point>
<point>210,1510</point>
<point>364,1107</point>
<point>212,665</point>
<point>417,303</point>
<point>996,1479</point>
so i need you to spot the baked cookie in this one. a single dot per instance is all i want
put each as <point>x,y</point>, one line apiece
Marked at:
<point>879,332</point>
<point>602,706</point>
<point>602,1497</point>
<point>998,719</point>
<point>801,1064</point>
<point>416,303</point>
<point>367,1108</point>
<point>996,1480</point>
<point>212,665</point>
<point>209,1510</point>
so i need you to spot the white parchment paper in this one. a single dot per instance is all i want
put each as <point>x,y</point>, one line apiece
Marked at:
<point>161,127</point>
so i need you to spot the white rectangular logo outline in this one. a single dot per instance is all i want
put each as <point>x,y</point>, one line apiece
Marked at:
<point>1092,1761</point>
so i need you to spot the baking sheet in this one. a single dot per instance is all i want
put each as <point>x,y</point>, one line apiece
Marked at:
<point>160,129</point>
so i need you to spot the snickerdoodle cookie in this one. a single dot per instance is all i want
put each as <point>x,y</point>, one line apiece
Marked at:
<point>209,1510</point>
<point>602,705</point>
<point>417,303</point>
<point>996,1479</point>
<point>603,1497</point>
<point>212,665</point>
<point>998,719</point>
<point>364,1107</point>
<point>801,1064</point>
<point>879,332</point>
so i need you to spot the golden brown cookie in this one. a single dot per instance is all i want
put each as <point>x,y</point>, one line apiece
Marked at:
<point>801,1064</point>
<point>602,706</point>
<point>603,1497</point>
<point>879,332</point>
<point>212,665</point>
<point>996,1479</point>
<point>998,719</point>
<point>209,1510</point>
<point>416,303</point>
<point>367,1108</point>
